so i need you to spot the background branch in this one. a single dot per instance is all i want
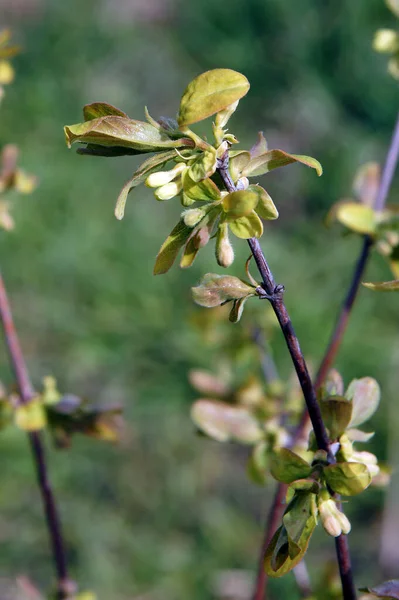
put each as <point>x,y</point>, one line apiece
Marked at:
<point>26,393</point>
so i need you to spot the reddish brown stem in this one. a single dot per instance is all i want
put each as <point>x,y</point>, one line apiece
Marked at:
<point>26,393</point>
<point>331,353</point>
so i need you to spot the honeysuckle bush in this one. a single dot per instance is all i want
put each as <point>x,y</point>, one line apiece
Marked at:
<point>212,180</point>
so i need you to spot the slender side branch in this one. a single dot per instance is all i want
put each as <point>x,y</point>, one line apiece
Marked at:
<point>334,344</point>
<point>275,296</point>
<point>26,393</point>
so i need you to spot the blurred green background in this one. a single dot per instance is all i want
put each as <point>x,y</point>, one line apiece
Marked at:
<point>166,513</point>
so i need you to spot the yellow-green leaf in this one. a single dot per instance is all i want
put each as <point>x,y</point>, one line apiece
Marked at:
<point>224,422</point>
<point>101,109</point>
<point>149,166</point>
<point>357,217</point>
<point>210,93</point>
<point>239,204</point>
<point>201,191</point>
<point>30,416</point>
<point>214,290</point>
<point>238,160</point>
<point>273,159</point>
<point>286,466</point>
<point>383,286</point>
<point>247,227</point>
<point>364,395</point>
<point>347,478</point>
<point>204,166</point>
<point>265,208</point>
<point>171,246</point>
<point>120,131</point>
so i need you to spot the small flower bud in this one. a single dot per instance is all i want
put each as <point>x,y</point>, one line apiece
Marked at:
<point>224,249</point>
<point>161,178</point>
<point>193,216</point>
<point>333,520</point>
<point>168,191</point>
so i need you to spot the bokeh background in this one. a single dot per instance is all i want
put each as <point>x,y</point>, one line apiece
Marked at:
<point>168,514</point>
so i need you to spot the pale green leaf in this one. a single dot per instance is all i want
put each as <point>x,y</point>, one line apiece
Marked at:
<point>122,132</point>
<point>239,204</point>
<point>265,208</point>
<point>171,246</point>
<point>286,466</point>
<point>101,109</point>
<point>347,478</point>
<point>224,422</point>
<point>383,286</point>
<point>364,395</point>
<point>210,93</point>
<point>201,191</point>
<point>247,227</point>
<point>214,290</point>
<point>273,159</point>
<point>149,166</point>
<point>357,217</point>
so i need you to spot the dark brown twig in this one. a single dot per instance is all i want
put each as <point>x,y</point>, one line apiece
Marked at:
<point>26,393</point>
<point>275,295</point>
<point>334,345</point>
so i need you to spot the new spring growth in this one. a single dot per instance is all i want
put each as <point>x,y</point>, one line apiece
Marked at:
<point>333,520</point>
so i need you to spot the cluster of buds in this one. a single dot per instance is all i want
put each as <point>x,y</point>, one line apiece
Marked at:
<point>334,521</point>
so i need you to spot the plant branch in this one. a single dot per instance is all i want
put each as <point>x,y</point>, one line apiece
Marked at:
<point>275,296</point>
<point>335,343</point>
<point>26,393</point>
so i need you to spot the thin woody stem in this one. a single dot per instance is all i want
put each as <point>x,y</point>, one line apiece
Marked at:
<point>275,296</point>
<point>26,393</point>
<point>334,345</point>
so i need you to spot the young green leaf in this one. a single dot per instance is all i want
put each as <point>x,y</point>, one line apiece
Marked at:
<point>149,166</point>
<point>239,204</point>
<point>247,227</point>
<point>120,131</point>
<point>273,159</point>
<point>286,466</point>
<point>348,478</point>
<point>171,246</point>
<point>265,207</point>
<point>383,286</point>
<point>101,109</point>
<point>357,217</point>
<point>201,191</point>
<point>215,290</point>
<point>224,422</point>
<point>364,395</point>
<point>31,416</point>
<point>337,413</point>
<point>210,93</point>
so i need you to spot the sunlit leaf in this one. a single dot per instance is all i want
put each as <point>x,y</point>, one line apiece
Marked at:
<point>365,396</point>
<point>239,204</point>
<point>209,93</point>
<point>30,416</point>
<point>214,290</point>
<point>149,166</point>
<point>260,146</point>
<point>383,286</point>
<point>247,227</point>
<point>347,478</point>
<point>336,412</point>
<point>201,191</point>
<point>224,422</point>
<point>357,217</point>
<point>171,246</point>
<point>101,109</point>
<point>265,208</point>
<point>120,131</point>
<point>273,159</point>
<point>286,466</point>
<point>238,160</point>
<point>204,166</point>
